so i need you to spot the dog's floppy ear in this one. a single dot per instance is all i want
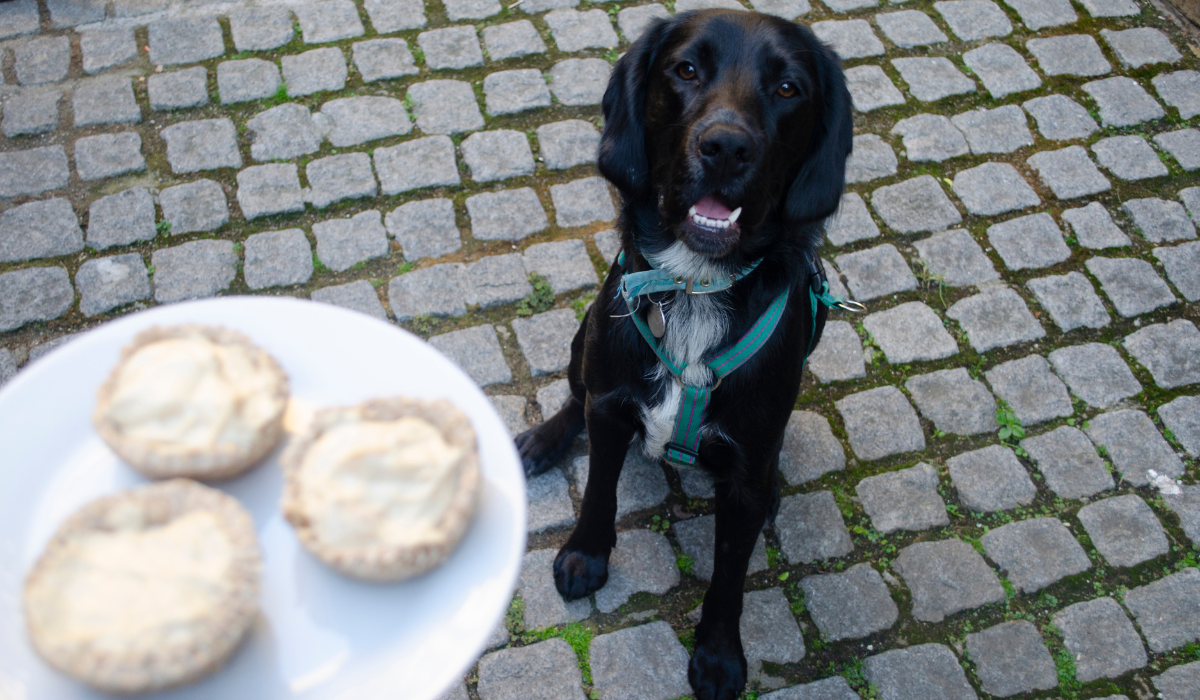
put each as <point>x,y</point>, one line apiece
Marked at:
<point>622,158</point>
<point>817,189</point>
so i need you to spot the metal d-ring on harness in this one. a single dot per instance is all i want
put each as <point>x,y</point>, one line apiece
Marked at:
<point>684,446</point>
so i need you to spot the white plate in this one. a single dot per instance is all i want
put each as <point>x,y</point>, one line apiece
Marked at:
<point>320,635</point>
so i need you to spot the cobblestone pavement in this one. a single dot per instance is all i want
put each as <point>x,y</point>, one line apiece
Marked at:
<point>991,477</point>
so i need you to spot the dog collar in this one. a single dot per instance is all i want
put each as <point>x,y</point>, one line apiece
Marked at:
<point>655,280</point>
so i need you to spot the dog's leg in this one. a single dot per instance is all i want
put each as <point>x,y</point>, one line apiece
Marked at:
<point>717,670</point>
<point>581,566</point>
<point>542,445</point>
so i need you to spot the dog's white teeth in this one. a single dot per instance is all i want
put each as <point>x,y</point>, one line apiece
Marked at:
<point>692,211</point>
<point>734,216</point>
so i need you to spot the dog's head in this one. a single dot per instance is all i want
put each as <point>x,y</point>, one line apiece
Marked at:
<point>731,128</point>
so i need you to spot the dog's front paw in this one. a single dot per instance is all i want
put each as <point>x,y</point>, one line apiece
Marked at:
<point>577,575</point>
<point>717,671</point>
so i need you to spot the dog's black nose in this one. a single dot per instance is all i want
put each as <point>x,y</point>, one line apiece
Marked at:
<point>726,151</point>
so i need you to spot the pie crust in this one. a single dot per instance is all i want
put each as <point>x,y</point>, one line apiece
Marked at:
<point>146,589</point>
<point>382,491</point>
<point>194,401</point>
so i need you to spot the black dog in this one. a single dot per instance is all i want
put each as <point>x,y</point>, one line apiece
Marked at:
<point>727,135</point>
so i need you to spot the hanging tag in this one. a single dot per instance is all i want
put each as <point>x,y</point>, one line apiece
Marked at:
<point>657,321</point>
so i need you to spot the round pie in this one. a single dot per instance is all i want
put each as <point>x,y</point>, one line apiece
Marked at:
<point>192,401</point>
<point>146,589</point>
<point>385,490</point>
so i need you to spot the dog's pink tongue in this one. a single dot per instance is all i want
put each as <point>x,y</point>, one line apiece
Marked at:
<point>712,209</point>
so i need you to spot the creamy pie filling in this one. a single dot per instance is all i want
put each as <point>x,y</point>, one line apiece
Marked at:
<point>378,482</point>
<point>189,393</point>
<point>134,590</point>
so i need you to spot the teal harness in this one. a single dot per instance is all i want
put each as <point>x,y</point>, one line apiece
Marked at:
<point>684,446</point>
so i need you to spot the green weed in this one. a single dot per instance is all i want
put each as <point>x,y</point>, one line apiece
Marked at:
<point>539,300</point>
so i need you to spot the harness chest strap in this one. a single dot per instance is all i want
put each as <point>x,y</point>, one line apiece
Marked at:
<point>684,446</point>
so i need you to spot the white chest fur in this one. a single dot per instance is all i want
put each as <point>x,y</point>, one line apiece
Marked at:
<point>695,325</point>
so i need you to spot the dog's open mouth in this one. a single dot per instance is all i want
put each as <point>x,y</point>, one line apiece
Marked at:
<point>712,224</point>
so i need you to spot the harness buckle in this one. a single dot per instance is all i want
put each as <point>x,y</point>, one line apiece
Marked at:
<point>706,284</point>
<point>684,386</point>
<point>851,306</point>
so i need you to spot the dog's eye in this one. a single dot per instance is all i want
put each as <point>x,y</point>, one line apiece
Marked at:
<point>787,90</point>
<point>686,71</point>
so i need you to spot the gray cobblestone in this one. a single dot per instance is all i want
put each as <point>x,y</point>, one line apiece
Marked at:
<point>851,604</point>
<point>909,28</point>
<point>513,39</point>
<point>932,79</point>
<point>1140,46</point>
<point>930,137</point>
<point>1011,658</point>
<point>956,258</point>
<point>72,13</point>
<point>581,202</point>
<point>769,631</point>
<point>580,81</point>
<point>328,20</point>
<point>1002,70</point>
<point>971,20</point>
<point>642,485</point>
<point>193,270</point>
<point>1180,90</point>
<point>1159,220</point>
<point>43,229</point>
<point>642,561</point>
<point>991,479</point>
<point>809,448</point>
<point>925,671</point>
<point>471,9</point>
<point>1029,242</point>
<point>810,528</point>
<point>994,188</point>
<point>1094,228</point>
<point>1182,265</point>
<point>445,107</point>
<point>206,144</point>
<point>33,294</point>
<point>908,332</point>
<point>548,493</point>
<point>452,47</point>
<point>851,38</point>
<point>1128,157</point>
<point>269,189</point>
<point>31,113</point>
<point>246,80</point>
<point>1186,505</point>
<point>1032,391</point>
<point>107,100</point>
<point>477,351</point>
<point>906,499</point>
<point>880,422</point>
<point>185,40</point>
<point>543,671</point>
<point>575,31</point>
<point>876,272</point>
<point>497,155</point>
<point>538,6</point>
<point>508,215</point>
<point>1131,285</point>
<point>345,176</point>
<point>181,89</point>
<point>283,132</point>
<point>343,243</point>
<point>995,318</point>
<point>277,259</point>
<point>1035,553</point>
<point>848,5</point>
<point>871,159</point>
<point>33,171</point>
<point>1122,102</point>
<point>120,219</point>
<point>946,577</point>
<point>915,205</point>
<point>1095,373</point>
<point>356,120</point>
<point>425,228</point>
<point>1101,637</point>
<point>632,21</point>
<point>1171,351</point>
<point>871,89</point>
<point>1165,609</point>
<point>42,60</point>
<point>838,357</point>
<point>1182,417</point>
<point>314,71</point>
<point>1183,145</point>
<point>1039,14</point>
<point>357,296</point>
<point>19,18</point>
<point>1001,130</point>
<point>194,206</point>
<point>953,401</point>
<point>544,607</point>
<point>426,162</point>
<point>568,143</point>
<point>108,155</point>
<point>383,59</point>
<point>1073,54</point>
<point>1070,300</point>
<point>564,264</point>
<point>1068,462</point>
<point>545,340</point>
<point>1110,8</point>
<point>553,397</point>
<point>106,283</point>
<point>852,222</point>
<point>1060,118</point>
<point>1135,446</point>
<point>645,663</point>
<point>1124,530</point>
<point>512,91</point>
<point>260,28</point>
<point>496,279</point>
